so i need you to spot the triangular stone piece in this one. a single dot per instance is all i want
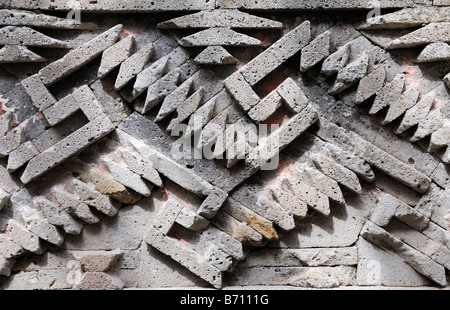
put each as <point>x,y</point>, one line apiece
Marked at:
<point>187,108</point>
<point>134,65</point>
<point>12,35</point>
<point>417,113</point>
<point>18,54</point>
<point>438,51</point>
<point>389,93</point>
<point>215,55</point>
<point>149,76</point>
<point>220,18</point>
<point>408,18</point>
<point>218,36</point>
<point>316,51</point>
<point>160,89</point>
<point>172,102</point>
<point>31,19</point>
<point>115,55</point>
<point>438,32</point>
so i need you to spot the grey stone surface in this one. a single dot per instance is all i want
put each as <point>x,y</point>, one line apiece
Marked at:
<point>78,57</point>
<point>417,113</point>
<point>215,55</point>
<point>29,18</point>
<point>408,18</point>
<point>111,6</point>
<point>138,165</point>
<point>340,229</point>
<point>434,32</point>
<point>21,156</point>
<point>266,107</point>
<point>310,5</point>
<point>240,231</point>
<point>241,91</point>
<point>220,18</point>
<point>378,267</point>
<point>218,36</point>
<point>40,95</point>
<point>191,220</point>
<point>18,54</point>
<point>188,258</point>
<point>308,277</point>
<point>5,123</point>
<point>134,65</point>
<point>438,51</point>
<point>398,107</point>
<point>11,35</point>
<point>420,242</point>
<point>212,203</point>
<point>370,85</point>
<point>302,257</point>
<point>292,95</point>
<point>251,216</point>
<point>337,172</point>
<point>276,54</point>
<point>67,148</point>
<point>316,51</point>
<point>8,248</point>
<point>160,89</point>
<point>420,262</point>
<point>290,202</point>
<point>167,215</point>
<point>336,61</point>
<point>315,199</point>
<point>61,110</point>
<point>58,217</point>
<point>172,61</point>
<point>229,244</point>
<point>71,204</point>
<point>127,177</point>
<point>115,55</point>
<point>447,80</point>
<point>385,210</point>
<point>270,147</point>
<point>21,236</point>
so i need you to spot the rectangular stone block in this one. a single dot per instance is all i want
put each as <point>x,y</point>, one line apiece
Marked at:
<point>302,257</point>
<point>88,103</point>
<point>111,6</point>
<point>251,218</point>
<point>276,54</point>
<point>167,216</point>
<point>127,177</point>
<point>9,249</point>
<point>21,236</point>
<point>309,4</point>
<point>420,242</point>
<point>271,146</point>
<point>225,241</point>
<point>21,156</point>
<point>212,203</point>
<point>61,110</point>
<point>185,256</point>
<point>241,91</point>
<point>38,92</point>
<point>95,199</point>
<point>67,148</point>
<point>78,57</point>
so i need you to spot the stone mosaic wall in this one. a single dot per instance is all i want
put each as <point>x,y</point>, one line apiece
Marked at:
<point>212,144</point>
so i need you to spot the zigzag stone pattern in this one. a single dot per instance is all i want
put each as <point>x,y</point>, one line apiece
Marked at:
<point>227,144</point>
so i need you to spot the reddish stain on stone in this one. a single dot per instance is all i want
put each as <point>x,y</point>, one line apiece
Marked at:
<point>124,32</point>
<point>412,73</point>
